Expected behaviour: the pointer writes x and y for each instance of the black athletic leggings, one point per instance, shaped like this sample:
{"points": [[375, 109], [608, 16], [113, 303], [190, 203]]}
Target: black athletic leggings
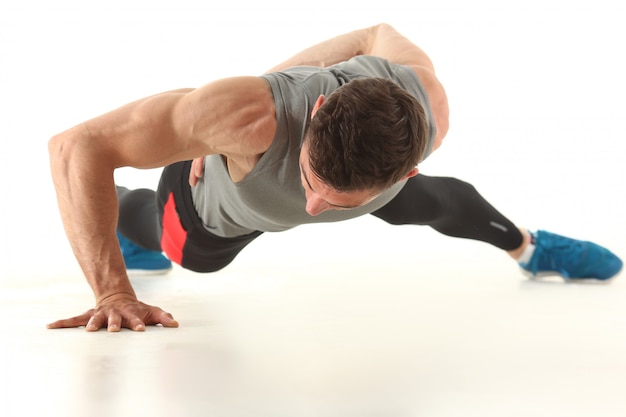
{"points": [[451, 207], [154, 219]]}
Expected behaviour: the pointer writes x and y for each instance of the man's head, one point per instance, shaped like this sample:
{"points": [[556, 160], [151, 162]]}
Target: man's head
{"points": [[367, 135]]}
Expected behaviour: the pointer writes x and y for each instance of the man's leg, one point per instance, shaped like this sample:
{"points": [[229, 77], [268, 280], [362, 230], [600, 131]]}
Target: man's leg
{"points": [[455, 208], [138, 231], [139, 217], [451, 207], [182, 235]]}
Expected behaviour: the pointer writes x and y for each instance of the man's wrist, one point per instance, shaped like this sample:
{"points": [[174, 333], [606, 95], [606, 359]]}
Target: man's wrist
{"points": [[116, 296]]}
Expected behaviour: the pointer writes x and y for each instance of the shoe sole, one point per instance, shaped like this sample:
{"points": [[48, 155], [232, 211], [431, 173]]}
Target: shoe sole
{"points": [[548, 274], [147, 272]]}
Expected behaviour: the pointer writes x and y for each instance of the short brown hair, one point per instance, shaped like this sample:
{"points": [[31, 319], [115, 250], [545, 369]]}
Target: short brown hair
{"points": [[368, 134]]}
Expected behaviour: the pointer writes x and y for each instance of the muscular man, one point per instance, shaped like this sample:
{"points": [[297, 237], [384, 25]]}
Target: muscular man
{"points": [[335, 132]]}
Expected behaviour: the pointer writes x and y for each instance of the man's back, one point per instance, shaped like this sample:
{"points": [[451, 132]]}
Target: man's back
{"points": [[270, 197]]}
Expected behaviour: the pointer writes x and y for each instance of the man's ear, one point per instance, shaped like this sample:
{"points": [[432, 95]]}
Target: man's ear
{"points": [[318, 103], [411, 173]]}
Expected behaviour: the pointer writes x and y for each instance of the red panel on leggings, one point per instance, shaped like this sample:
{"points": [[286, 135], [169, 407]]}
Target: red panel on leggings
{"points": [[174, 236]]}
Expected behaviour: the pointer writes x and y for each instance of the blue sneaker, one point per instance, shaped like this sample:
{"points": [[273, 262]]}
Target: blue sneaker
{"points": [[570, 258], [141, 261]]}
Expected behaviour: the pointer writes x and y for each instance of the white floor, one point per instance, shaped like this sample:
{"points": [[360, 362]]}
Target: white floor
{"points": [[357, 319], [411, 333]]}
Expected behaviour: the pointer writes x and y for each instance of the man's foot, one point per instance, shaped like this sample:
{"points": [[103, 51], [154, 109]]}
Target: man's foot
{"points": [[570, 258], [140, 261]]}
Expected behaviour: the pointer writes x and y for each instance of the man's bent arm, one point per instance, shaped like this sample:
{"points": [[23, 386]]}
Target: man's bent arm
{"points": [[151, 132], [88, 205], [82, 162], [381, 40]]}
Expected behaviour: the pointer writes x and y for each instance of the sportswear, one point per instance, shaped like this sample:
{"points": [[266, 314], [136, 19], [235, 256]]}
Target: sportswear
{"points": [[570, 258], [271, 198]]}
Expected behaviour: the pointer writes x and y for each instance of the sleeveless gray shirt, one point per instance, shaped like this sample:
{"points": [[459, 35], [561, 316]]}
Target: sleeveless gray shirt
{"points": [[271, 198]]}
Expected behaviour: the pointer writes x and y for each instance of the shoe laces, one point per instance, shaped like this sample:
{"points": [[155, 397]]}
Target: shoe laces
{"points": [[555, 252]]}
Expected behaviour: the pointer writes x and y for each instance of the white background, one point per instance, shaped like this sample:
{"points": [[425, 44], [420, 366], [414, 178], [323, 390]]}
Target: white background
{"points": [[536, 91]]}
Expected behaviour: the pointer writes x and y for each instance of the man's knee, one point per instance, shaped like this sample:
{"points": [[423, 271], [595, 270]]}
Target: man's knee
{"points": [[204, 267]]}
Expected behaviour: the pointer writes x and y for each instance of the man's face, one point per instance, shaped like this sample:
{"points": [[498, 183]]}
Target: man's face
{"points": [[320, 197]]}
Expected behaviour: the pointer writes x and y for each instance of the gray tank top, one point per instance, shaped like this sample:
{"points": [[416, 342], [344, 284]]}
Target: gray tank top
{"points": [[271, 198]]}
